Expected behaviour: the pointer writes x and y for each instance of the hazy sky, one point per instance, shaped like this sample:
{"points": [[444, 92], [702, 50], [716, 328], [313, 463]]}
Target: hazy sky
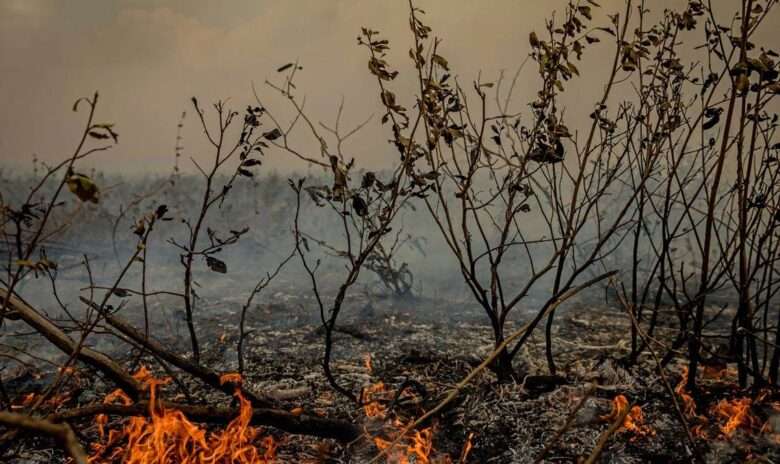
{"points": [[148, 57]]}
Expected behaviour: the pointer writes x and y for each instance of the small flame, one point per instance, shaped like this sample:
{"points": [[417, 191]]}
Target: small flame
{"points": [[26, 401], [416, 450], [367, 362], [689, 405], [371, 405], [119, 395], [70, 370], [168, 437], [634, 420], [144, 376], [737, 415], [232, 378], [467, 447], [58, 400]]}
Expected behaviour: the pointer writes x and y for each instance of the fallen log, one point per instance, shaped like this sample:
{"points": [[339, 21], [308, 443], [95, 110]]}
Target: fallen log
{"points": [[301, 424], [60, 432], [20, 309], [205, 374]]}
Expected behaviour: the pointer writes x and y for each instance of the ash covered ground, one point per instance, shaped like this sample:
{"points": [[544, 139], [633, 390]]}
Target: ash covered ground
{"points": [[420, 345]]}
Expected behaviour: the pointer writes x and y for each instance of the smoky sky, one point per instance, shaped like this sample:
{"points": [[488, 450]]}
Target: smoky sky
{"points": [[148, 57]]}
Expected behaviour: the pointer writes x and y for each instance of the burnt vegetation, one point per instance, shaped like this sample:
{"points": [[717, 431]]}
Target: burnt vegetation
{"points": [[620, 270]]}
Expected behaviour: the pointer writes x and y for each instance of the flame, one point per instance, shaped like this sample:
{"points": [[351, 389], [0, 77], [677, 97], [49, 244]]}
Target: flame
{"points": [[417, 450], [689, 405], [737, 415], [144, 376], [232, 377], [464, 453], [634, 420], [27, 400], [367, 362], [168, 437], [59, 399], [699, 431], [371, 405], [120, 395]]}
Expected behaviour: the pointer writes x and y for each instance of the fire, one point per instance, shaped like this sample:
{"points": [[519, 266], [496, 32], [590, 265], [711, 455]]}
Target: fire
{"points": [[464, 453], [417, 450], [732, 414], [120, 395], [233, 378], [634, 420], [27, 400], [168, 437], [736, 414], [689, 405], [413, 449], [144, 376], [367, 362], [371, 405]]}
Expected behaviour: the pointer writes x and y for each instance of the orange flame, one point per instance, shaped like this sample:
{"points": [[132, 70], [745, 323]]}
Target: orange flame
{"points": [[689, 405], [232, 377], [143, 375], [737, 415], [25, 401], [464, 453], [168, 437], [634, 420], [372, 394], [417, 450]]}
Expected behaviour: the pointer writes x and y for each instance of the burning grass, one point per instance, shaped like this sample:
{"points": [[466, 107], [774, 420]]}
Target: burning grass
{"points": [[727, 416], [168, 437], [633, 422], [415, 447]]}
